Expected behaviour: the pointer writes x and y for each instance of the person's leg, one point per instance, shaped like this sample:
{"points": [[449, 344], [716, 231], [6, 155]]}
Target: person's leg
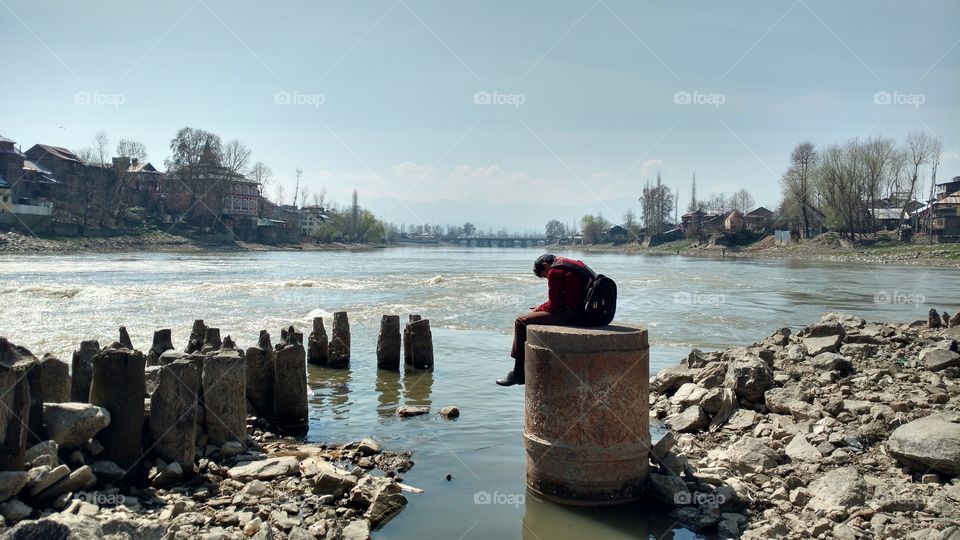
{"points": [[520, 335]]}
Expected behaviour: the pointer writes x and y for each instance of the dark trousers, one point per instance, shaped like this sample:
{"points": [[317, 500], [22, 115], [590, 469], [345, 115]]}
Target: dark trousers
{"points": [[565, 316]]}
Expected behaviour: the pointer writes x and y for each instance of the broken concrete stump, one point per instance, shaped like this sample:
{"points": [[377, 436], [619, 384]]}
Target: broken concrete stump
{"points": [[162, 342], [119, 385], [224, 381], [260, 376], [587, 459], [81, 370], [197, 336], [339, 355], [388, 343], [173, 413], [290, 384], [319, 346], [407, 358], [55, 379], [14, 404], [421, 344]]}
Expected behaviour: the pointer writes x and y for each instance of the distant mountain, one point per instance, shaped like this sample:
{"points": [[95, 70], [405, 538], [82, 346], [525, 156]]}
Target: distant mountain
{"points": [[515, 217]]}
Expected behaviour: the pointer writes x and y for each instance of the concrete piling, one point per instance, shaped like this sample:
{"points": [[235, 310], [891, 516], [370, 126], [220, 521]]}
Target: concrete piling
{"points": [[388, 343], [407, 354], [319, 347], [119, 385], [339, 355], [421, 344], [290, 383], [81, 370]]}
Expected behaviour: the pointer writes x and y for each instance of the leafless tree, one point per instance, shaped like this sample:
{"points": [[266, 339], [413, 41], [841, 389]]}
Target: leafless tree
{"points": [[101, 143], [127, 151], [919, 149], [132, 149], [261, 174], [279, 193], [799, 188], [742, 201], [236, 157]]}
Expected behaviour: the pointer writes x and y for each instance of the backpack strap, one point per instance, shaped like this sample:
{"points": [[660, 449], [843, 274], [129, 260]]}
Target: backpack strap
{"points": [[584, 270]]}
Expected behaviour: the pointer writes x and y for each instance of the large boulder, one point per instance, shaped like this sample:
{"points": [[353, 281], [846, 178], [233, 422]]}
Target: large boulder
{"points": [[73, 424], [749, 455], [11, 482], [690, 420], [669, 488], [800, 449], [939, 359], [712, 375], [929, 443], [823, 337], [749, 378], [266, 469], [59, 526], [830, 361], [669, 379], [839, 490]]}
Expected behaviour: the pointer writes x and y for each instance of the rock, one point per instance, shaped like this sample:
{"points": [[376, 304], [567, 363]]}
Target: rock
{"points": [[669, 488], [662, 446], [171, 356], [55, 379], [384, 507], [58, 526], [260, 376], [939, 359], [43, 453], [14, 511], [356, 530], [290, 384], [197, 336], [412, 410], [839, 490], [955, 320], [783, 400], [339, 352], [932, 442], [125, 339], [421, 344], [72, 424], [162, 342], [388, 343], [749, 455], [712, 375], [319, 347], [230, 449], [688, 394], [326, 478], [369, 447], [224, 382], [173, 413], [800, 449], [669, 379], [168, 476], [828, 361], [819, 345], [369, 488], [933, 319], [118, 385], [81, 370], [695, 360], [151, 378], [11, 482], [450, 412], [749, 378], [107, 471], [696, 519], [211, 341], [690, 420], [79, 479], [48, 478], [266, 469]]}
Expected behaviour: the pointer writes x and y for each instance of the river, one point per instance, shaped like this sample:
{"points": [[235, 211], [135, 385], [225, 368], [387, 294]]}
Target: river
{"points": [[49, 303]]}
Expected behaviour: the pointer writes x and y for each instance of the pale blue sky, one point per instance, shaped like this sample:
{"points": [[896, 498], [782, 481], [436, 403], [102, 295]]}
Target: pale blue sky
{"points": [[398, 79]]}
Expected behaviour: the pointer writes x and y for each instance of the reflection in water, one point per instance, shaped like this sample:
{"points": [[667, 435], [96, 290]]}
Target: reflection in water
{"points": [[388, 391], [332, 386], [544, 519], [417, 387]]}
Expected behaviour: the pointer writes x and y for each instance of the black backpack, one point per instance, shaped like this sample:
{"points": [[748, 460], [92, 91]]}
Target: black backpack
{"points": [[600, 303]]}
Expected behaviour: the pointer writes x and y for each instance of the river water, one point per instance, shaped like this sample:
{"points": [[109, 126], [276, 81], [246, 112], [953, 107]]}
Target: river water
{"points": [[49, 303]]}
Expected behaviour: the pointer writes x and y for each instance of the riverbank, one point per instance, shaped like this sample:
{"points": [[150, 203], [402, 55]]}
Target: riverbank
{"points": [[160, 242], [826, 248], [846, 429]]}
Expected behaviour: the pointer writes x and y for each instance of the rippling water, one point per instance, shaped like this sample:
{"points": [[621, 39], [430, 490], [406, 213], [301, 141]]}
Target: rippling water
{"points": [[49, 303]]}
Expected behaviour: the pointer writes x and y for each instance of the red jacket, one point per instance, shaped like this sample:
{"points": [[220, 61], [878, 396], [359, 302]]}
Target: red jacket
{"points": [[565, 288]]}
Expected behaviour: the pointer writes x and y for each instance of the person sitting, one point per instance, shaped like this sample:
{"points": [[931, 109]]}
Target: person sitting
{"points": [[566, 291]]}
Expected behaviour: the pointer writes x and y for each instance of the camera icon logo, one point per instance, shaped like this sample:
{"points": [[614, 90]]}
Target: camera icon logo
{"points": [[82, 98], [682, 98], [481, 497], [882, 98], [282, 97], [482, 98]]}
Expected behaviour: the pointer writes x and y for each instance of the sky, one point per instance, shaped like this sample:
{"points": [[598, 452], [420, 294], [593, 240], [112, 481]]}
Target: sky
{"points": [[500, 113]]}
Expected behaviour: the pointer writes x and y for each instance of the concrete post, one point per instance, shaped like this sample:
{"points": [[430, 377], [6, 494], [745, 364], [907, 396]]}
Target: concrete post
{"points": [[421, 344], [81, 371], [587, 425], [119, 385], [388, 343], [14, 404], [173, 413], [290, 384], [340, 344], [260, 376], [224, 382], [318, 344], [407, 358]]}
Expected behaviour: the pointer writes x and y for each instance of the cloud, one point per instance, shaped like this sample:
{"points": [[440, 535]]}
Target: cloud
{"points": [[650, 166]]}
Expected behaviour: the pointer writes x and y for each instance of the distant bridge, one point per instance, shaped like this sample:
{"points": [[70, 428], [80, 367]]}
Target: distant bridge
{"points": [[503, 242]]}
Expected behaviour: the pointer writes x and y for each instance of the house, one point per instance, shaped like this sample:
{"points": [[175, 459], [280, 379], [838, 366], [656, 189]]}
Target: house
{"points": [[758, 219], [241, 197], [312, 217], [945, 222], [888, 218], [6, 197], [733, 221], [617, 234], [62, 164], [11, 162]]}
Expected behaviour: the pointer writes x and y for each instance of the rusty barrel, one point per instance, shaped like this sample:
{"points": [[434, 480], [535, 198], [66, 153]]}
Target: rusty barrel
{"points": [[587, 425]]}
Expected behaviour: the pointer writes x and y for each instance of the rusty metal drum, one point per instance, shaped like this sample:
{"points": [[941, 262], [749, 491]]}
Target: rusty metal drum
{"points": [[587, 423]]}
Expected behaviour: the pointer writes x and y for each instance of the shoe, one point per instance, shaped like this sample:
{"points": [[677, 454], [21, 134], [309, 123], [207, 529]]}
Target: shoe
{"points": [[509, 380]]}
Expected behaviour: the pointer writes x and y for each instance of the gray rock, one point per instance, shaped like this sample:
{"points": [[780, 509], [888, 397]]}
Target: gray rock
{"points": [[450, 412], [690, 420], [829, 361], [819, 345], [72, 424], [670, 489], [712, 375], [266, 469], [749, 455], [48, 478], [840, 490], [59, 526], [929, 443], [749, 378], [55, 379], [79, 479], [669, 379], [800, 449], [356, 530], [939, 359], [11, 482], [14, 511], [412, 410], [107, 470]]}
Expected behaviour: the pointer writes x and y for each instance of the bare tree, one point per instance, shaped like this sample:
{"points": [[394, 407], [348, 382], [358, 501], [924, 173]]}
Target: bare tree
{"points": [[132, 149], [261, 174], [100, 144], [919, 149], [304, 196], [742, 201], [798, 184], [128, 150], [279, 193], [320, 199], [236, 157]]}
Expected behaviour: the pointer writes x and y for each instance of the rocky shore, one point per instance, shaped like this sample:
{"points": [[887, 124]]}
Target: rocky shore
{"points": [[847, 429], [170, 444]]}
